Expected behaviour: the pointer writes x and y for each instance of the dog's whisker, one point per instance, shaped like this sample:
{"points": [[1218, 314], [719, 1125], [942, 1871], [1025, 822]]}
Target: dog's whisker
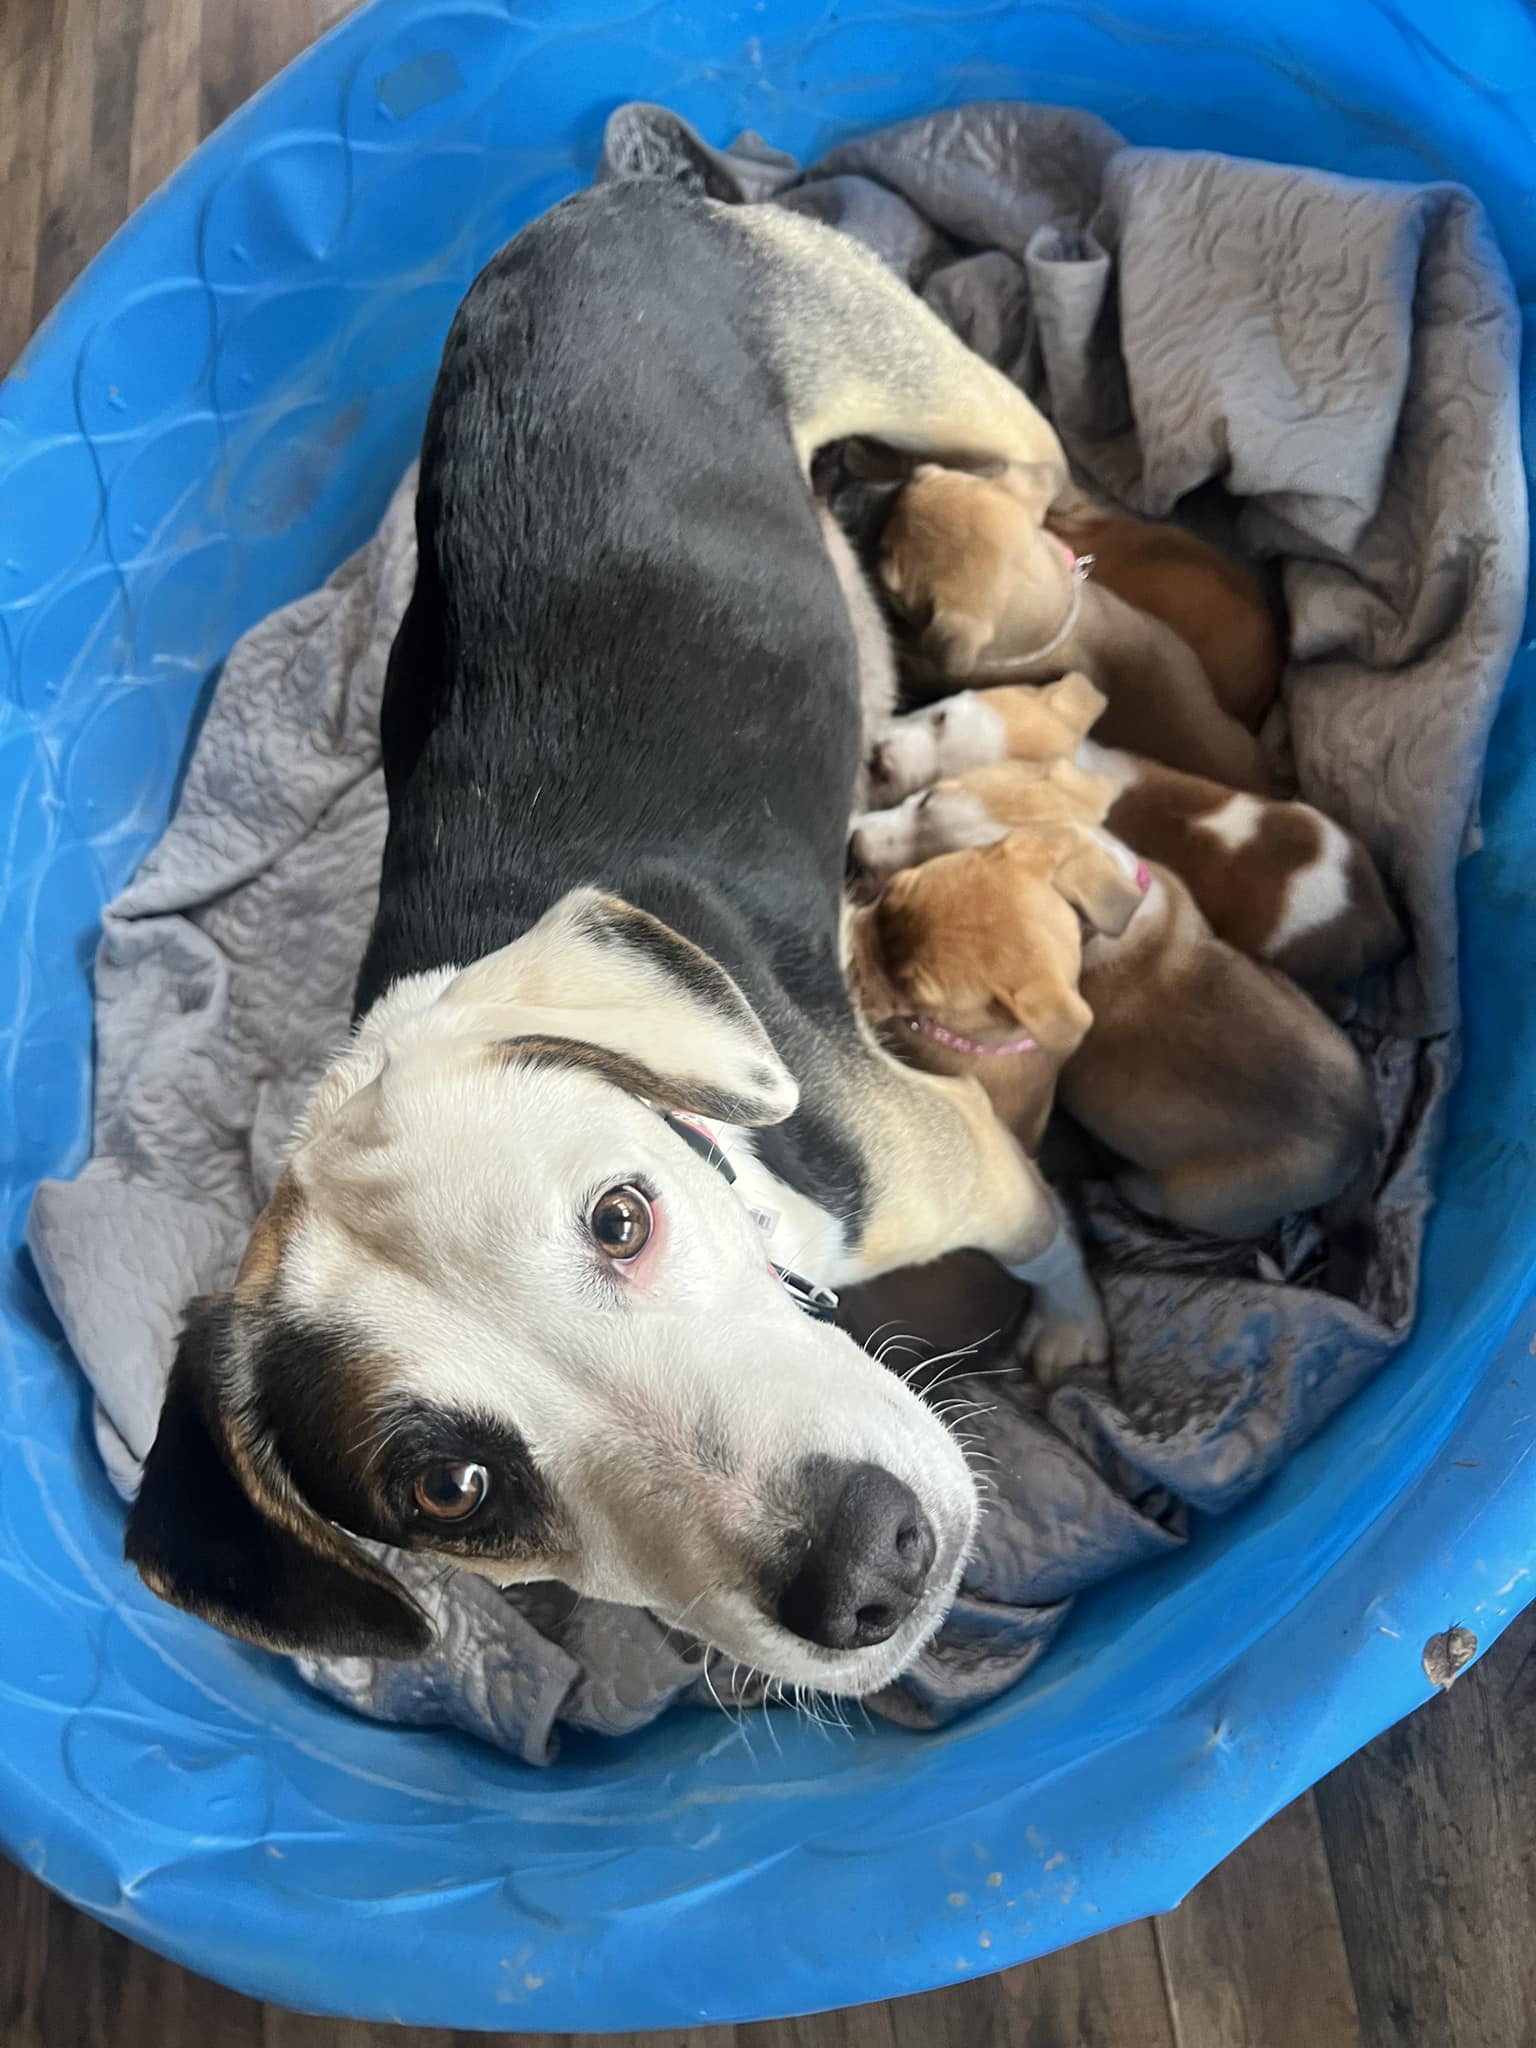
{"points": [[891, 1343]]}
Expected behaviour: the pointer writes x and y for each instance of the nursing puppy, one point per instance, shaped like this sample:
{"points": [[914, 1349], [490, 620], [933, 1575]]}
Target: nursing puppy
{"points": [[995, 598], [504, 1305], [1278, 880], [971, 962]]}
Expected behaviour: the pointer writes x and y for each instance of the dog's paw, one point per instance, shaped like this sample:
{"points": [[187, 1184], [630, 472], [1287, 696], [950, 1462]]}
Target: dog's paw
{"points": [[1054, 1344]]}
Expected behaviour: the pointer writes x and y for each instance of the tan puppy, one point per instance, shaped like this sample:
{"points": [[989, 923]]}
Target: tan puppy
{"points": [[974, 960], [1214, 602], [1280, 881], [974, 810], [1009, 723], [993, 596]]}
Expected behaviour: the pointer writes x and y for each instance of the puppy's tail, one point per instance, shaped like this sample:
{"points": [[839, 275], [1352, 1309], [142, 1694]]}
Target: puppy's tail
{"points": [[861, 355]]}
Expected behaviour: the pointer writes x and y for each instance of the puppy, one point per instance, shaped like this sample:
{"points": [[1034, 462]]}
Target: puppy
{"points": [[1233, 1099], [972, 810], [1213, 601], [971, 962], [1278, 880], [993, 596], [522, 1298], [1046, 723]]}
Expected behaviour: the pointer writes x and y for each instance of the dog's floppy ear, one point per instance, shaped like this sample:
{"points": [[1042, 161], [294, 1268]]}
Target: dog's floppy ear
{"points": [[1095, 884], [954, 641], [1076, 701], [596, 972], [215, 1534], [868, 975], [1050, 1009]]}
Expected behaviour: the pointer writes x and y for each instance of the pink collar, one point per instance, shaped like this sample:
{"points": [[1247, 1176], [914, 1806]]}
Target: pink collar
{"points": [[1082, 568], [955, 1041]]}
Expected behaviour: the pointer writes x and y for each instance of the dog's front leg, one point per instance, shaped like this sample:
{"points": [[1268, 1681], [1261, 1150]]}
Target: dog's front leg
{"points": [[1064, 1326]]}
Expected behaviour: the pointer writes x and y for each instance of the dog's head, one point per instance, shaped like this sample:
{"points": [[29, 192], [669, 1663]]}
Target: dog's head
{"points": [[499, 1311], [960, 554], [989, 940]]}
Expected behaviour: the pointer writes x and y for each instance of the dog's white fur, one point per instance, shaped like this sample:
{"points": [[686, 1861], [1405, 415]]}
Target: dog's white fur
{"points": [[445, 1192]]}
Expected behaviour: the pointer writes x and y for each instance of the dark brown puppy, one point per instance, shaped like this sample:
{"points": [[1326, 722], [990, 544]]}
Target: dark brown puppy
{"points": [[1215, 603]]}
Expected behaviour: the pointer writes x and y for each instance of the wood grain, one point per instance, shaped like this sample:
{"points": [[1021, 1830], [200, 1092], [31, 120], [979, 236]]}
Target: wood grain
{"points": [[1395, 1912], [1256, 1955], [1431, 1833], [1106, 1993]]}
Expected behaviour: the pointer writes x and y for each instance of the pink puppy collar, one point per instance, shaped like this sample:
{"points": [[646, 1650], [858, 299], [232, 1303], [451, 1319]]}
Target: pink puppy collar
{"points": [[956, 1041]]}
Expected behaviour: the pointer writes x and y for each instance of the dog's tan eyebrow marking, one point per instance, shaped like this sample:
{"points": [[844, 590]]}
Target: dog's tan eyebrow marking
{"points": [[575, 1057], [270, 1237]]}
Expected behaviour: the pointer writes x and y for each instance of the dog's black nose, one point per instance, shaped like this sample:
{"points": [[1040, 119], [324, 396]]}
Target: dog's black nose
{"points": [[867, 1561]]}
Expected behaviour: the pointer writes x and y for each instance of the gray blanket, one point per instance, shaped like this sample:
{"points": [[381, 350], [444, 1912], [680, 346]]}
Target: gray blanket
{"points": [[1330, 367]]}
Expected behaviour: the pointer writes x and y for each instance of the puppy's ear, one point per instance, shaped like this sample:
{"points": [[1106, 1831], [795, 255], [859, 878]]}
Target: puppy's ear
{"points": [[954, 641], [1049, 1008], [1095, 884], [1076, 701], [665, 1018], [213, 1532], [868, 974]]}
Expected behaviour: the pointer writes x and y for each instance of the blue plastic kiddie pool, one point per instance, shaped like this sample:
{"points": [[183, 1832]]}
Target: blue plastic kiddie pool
{"points": [[213, 418]]}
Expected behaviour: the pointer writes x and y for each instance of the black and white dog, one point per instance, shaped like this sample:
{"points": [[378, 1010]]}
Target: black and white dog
{"points": [[500, 1307]]}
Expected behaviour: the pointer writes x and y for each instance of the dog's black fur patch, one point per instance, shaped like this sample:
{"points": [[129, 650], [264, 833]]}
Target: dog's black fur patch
{"points": [[269, 1570], [272, 1564], [627, 662]]}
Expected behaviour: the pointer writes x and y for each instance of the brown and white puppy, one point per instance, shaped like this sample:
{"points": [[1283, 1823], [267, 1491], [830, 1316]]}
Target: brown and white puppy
{"points": [[1213, 601], [1233, 1099], [995, 598], [1281, 881], [970, 963]]}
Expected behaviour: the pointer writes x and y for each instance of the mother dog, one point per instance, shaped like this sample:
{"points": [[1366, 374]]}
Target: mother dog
{"points": [[503, 1306]]}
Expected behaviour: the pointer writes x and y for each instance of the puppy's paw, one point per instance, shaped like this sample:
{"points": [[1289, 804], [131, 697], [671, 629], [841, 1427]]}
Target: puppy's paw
{"points": [[1054, 1342]]}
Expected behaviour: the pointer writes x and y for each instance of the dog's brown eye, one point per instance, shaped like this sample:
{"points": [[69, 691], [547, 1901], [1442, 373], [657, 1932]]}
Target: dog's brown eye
{"points": [[451, 1493], [621, 1222]]}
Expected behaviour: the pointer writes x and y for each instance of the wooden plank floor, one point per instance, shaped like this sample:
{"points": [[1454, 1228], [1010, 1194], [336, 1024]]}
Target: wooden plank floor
{"points": [[1392, 1909]]}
